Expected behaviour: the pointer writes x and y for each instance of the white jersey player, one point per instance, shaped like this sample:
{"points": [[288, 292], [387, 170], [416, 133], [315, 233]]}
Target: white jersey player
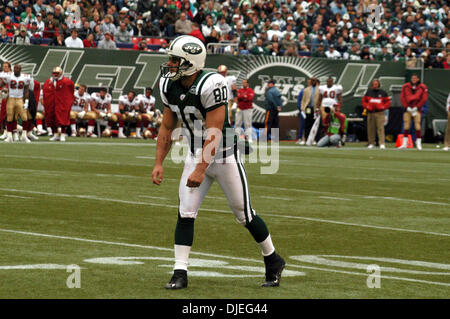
{"points": [[128, 103], [17, 103], [146, 101], [81, 109], [82, 99], [447, 131], [40, 117], [330, 95], [101, 101], [231, 86], [128, 108]]}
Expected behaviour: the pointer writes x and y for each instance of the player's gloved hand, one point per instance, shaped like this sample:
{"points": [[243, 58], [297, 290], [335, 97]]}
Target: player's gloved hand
{"points": [[234, 106], [81, 114], [102, 114], [4, 93], [25, 105]]}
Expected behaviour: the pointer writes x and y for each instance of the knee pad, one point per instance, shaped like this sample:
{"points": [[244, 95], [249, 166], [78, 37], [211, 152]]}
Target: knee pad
{"points": [[39, 116]]}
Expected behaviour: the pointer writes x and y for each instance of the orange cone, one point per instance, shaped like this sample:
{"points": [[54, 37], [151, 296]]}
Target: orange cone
{"points": [[399, 141]]}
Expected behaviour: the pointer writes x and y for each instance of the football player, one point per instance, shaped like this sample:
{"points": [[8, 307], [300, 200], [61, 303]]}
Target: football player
{"points": [[413, 96], [81, 110], [200, 100], [6, 69], [17, 103], [447, 130], [232, 88], [150, 115], [330, 95], [101, 104], [40, 115], [128, 108], [35, 89]]}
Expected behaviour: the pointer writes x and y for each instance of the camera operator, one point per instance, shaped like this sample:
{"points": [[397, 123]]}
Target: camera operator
{"points": [[334, 125]]}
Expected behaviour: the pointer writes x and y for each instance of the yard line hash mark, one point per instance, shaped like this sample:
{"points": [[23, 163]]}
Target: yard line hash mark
{"points": [[207, 255], [92, 197]]}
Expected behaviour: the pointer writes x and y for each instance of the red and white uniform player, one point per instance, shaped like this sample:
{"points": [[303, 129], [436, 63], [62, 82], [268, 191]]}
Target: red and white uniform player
{"points": [[81, 109], [128, 108], [147, 110], [101, 104]]}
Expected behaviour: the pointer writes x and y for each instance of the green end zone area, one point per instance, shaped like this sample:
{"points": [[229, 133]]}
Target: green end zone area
{"points": [[331, 213]]}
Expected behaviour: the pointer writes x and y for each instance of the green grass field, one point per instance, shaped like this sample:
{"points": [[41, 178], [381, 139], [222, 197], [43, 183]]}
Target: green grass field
{"points": [[331, 212]]}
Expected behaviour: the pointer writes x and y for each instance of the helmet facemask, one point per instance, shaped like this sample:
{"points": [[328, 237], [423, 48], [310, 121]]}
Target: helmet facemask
{"points": [[182, 69]]}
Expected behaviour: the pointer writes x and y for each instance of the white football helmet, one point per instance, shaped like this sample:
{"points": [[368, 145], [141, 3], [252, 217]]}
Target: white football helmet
{"points": [[191, 53]]}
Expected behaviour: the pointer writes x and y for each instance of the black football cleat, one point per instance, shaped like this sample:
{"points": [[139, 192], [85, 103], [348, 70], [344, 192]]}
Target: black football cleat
{"points": [[274, 267], [179, 280]]}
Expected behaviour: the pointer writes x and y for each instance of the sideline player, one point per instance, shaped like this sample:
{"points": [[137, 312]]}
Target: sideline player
{"points": [[146, 107], [447, 130], [101, 104], [128, 104], [200, 100], [330, 94], [6, 69], [80, 110], [17, 103], [413, 96], [232, 88]]}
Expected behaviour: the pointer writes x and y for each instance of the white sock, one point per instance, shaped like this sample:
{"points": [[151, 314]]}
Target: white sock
{"points": [[49, 130], [181, 256], [73, 127], [266, 246], [138, 131], [9, 134], [90, 129], [24, 134], [120, 130]]}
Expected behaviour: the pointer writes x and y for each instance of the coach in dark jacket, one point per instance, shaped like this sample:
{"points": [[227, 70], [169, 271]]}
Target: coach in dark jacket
{"points": [[273, 105], [375, 101]]}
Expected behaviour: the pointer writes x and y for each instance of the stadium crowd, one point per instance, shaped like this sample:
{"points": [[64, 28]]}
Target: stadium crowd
{"points": [[406, 30]]}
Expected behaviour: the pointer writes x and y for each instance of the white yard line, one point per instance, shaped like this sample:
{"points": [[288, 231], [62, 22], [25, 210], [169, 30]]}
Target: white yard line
{"points": [[92, 197], [94, 144], [153, 197], [145, 157], [15, 196], [276, 198], [334, 198], [355, 195], [290, 265], [74, 160]]}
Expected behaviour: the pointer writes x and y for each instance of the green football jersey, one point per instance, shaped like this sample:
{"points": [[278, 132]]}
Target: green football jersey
{"points": [[208, 92]]}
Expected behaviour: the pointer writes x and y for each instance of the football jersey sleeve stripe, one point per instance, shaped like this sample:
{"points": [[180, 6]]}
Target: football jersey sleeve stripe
{"points": [[211, 108], [202, 82]]}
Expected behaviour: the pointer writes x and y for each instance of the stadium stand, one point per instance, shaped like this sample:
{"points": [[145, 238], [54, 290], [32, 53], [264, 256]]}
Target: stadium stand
{"points": [[404, 28]]}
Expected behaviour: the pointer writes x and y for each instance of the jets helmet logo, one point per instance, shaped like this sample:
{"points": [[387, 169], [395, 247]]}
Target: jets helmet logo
{"points": [[192, 48]]}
